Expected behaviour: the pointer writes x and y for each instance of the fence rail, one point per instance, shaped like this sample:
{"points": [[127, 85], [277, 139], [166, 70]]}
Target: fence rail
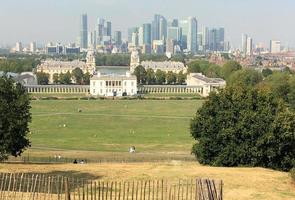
{"points": [[16, 186]]}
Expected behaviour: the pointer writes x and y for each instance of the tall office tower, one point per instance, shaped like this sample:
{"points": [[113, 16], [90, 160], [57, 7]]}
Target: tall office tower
{"points": [[130, 32], [163, 28], [215, 39], [249, 50], [244, 43], [174, 33], [192, 43], [156, 27], [18, 47], [147, 34], [140, 36], [100, 30], [174, 23], [118, 38], [135, 39], [33, 47], [183, 24], [275, 46], [108, 28], [83, 32], [170, 44], [92, 40], [200, 39]]}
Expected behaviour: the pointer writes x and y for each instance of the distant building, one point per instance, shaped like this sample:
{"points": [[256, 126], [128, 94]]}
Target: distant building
{"points": [[147, 34], [275, 46], [18, 47], [33, 47], [52, 67], [84, 32], [214, 39], [208, 84], [118, 38], [113, 85], [158, 47]]}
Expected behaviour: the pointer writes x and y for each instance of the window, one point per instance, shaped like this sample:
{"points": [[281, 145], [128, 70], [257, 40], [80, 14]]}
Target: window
{"points": [[93, 91], [93, 83], [125, 83], [132, 83], [100, 91], [120, 82], [132, 91], [107, 83], [100, 83]]}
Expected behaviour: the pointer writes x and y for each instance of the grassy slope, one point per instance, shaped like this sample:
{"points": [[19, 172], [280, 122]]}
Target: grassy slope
{"points": [[113, 125], [239, 183]]}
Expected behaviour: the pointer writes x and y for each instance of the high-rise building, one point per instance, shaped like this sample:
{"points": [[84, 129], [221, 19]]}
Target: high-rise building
{"points": [[174, 33], [244, 43], [33, 47], [130, 32], [140, 36], [147, 34], [118, 38], [156, 27], [84, 32], [18, 47], [135, 39], [192, 43], [275, 46], [173, 23], [163, 28], [183, 24], [108, 28], [249, 46], [215, 39], [170, 44]]}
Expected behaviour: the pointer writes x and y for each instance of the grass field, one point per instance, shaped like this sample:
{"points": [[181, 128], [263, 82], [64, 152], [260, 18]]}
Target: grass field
{"points": [[239, 183], [112, 126]]}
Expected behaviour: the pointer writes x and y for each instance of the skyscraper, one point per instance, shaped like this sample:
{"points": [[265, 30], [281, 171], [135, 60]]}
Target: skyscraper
{"points": [[156, 27], [183, 24], [215, 39], [118, 38], [147, 34], [130, 32], [192, 44], [275, 46], [33, 47], [249, 46], [83, 32], [163, 28], [174, 33], [244, 43]]}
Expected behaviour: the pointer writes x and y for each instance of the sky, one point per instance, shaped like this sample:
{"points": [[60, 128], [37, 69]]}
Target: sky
{"points": [[58, 20]]}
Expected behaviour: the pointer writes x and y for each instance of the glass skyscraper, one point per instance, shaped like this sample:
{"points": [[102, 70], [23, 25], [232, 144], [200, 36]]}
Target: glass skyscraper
{"points": [[147, 34], [83, 32]]}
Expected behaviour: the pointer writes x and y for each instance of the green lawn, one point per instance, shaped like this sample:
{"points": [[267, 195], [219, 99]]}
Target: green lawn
{"points": [[113, 126]]}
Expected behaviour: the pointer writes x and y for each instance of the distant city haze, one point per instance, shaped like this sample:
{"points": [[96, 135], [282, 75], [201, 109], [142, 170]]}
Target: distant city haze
{"points": [[58, 20]]}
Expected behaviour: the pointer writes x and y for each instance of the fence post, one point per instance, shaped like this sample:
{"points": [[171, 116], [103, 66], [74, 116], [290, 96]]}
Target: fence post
{"points": [[67, 189]]}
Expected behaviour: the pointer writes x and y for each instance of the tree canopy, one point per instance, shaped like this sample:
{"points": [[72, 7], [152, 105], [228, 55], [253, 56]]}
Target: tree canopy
{"points": [[14, 118], [229, 67], [43, 78], [246, 77], [244, 126]]}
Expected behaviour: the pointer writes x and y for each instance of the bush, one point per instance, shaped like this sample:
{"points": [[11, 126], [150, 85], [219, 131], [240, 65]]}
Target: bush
{"points": [[244, 127]]}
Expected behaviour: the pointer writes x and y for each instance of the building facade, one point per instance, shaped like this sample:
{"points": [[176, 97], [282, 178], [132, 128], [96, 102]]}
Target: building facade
{"points": [[113, 85], [84, 32]]}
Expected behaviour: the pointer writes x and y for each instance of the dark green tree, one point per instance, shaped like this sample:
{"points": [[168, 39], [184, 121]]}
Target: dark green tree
{"points": [[150, 76], [56, 78], [194, 67], [160, 77], [14, 118], [246, 77], [171, 78], [181, 77], [86, 78], [140, 74], [43, 78], [239, 126], [65, 79], [266, 72], [230, 67], [78, 75]]}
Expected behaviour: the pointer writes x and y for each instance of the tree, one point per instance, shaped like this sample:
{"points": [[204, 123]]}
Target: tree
{"points": [[160, 77], [65, 79], [140, 74], [78, 75], [150, 76], [266, 72], [14, 118], [56, 78], [229, 67], [171, 78], [246, 77], [42, 78], [239, 126], [181, 77], [194, 67], [86, 78]]}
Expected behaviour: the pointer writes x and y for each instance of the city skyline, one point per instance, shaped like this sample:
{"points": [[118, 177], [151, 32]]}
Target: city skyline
{"points": [[59, 23]]}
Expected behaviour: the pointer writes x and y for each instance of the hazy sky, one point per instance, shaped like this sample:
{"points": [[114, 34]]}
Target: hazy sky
{"points": [[58, 20]]}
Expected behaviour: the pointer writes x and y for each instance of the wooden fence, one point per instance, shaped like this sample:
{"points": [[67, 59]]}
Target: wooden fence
{"points": [[42, 187]]}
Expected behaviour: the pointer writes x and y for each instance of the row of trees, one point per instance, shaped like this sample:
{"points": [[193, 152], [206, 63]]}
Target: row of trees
{"points": [[159, 77], [77, 75], [18, 65]]}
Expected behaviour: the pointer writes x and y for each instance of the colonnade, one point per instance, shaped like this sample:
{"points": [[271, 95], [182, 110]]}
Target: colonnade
{"points": [[170, 89], [57, 89]]}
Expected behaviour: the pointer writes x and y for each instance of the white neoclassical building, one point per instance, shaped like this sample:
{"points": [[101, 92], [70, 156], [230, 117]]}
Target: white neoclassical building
{"points": [[207, 84], [113, 85]]}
